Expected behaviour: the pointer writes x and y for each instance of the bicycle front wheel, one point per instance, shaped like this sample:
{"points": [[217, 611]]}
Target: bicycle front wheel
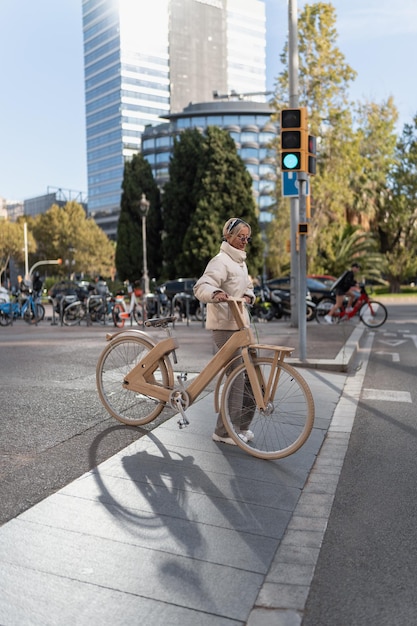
{"points": [[6, 317], [373, 314], [118, 358], [286, 423]]}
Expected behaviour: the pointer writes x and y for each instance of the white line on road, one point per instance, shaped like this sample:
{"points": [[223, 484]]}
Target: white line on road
{"points": [[395, 355], [386, 395]]}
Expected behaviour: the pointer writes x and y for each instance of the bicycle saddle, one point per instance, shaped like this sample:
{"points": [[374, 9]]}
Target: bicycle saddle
{"points": [[160, 321]]}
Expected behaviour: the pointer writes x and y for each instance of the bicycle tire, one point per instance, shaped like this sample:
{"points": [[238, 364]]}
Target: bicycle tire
{"points": [[115, 362], [118, 321], [138, 314], [5, 318], [373, 314], [33, 313], [288, 421], [73, 314], [322, 309]]}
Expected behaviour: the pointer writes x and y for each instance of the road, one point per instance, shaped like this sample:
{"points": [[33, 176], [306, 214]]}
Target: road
{"points": [[367, 569]]}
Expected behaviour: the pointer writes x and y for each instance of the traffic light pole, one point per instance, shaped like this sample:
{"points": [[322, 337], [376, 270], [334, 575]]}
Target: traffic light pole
{"points": [[302, 264], [293, 102]]}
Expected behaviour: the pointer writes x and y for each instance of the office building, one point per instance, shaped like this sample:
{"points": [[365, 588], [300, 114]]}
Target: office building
{"points": [[146, 61], [249, 124]]}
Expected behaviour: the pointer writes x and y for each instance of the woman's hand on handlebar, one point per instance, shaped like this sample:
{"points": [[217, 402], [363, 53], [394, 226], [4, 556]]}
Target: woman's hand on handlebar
{"points": [[220, 296]]}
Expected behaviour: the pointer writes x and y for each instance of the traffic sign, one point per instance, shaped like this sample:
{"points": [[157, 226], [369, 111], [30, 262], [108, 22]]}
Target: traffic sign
{"points": [[290, 187]]}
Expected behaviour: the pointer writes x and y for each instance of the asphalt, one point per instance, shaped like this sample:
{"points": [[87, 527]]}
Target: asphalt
{"points": [[176, 529]]}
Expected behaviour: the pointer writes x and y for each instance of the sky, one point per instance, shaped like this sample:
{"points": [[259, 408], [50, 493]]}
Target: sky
{"points": [[42, 122]]}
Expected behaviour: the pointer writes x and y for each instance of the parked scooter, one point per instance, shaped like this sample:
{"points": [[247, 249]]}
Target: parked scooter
{"points": [[285, 298], [276, 303], [266, 307]]}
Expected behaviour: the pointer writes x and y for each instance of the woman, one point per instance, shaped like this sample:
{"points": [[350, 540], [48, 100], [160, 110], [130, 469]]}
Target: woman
{"points": [[226, 275]]}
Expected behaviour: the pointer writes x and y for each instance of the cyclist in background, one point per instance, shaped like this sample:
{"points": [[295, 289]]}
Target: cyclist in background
{"points": [[345, 285]]}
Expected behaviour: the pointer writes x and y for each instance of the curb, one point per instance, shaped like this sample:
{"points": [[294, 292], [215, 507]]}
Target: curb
{"points": [[343, 359]]}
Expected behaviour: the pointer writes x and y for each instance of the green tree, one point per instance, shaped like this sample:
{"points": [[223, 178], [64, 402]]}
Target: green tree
{"points": [[376, 139], [138, 180], [324, 78], [226, 192], [181, 196], [353, 244], [395, 212], [12, 244], [66, 233]]}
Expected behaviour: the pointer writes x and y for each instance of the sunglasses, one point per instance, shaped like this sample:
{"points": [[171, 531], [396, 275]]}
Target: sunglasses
{"points": [[244, 239]]}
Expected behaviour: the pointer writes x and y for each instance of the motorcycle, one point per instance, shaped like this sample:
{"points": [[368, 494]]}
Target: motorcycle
{"points": [[266, 306], [285, 296], [276, 303]]}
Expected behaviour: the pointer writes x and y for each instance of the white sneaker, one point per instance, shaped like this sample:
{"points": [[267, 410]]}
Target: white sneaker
{"points": [[219, 439], [328, 319], [229, 440], [248, 434], [349, 309]]}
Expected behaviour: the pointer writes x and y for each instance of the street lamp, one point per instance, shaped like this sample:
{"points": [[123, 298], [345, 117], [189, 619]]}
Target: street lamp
{"points": [[144, 209]]}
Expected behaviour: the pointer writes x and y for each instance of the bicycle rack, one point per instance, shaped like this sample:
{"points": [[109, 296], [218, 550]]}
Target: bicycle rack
{"points": [[182, 298]]}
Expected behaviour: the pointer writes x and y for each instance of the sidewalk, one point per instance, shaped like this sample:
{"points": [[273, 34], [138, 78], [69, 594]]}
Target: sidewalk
{"points": [[176, 529]]}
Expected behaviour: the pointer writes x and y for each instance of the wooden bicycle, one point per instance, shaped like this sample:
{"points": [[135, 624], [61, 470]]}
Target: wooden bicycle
{"points": [[135, 381]]}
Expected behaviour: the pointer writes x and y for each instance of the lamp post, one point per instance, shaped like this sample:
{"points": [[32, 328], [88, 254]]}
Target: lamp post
{"points": [[144, 208]]}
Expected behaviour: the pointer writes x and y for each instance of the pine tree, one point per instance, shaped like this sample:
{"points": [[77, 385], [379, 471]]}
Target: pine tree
{"points": [[180, 197], [138, 180], [222, 189]]}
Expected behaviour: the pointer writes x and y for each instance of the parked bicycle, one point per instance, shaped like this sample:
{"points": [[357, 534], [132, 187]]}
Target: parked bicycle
{"points": [[135, 381], [25, 306], [91, 309], [134, 312], [372, 313]]}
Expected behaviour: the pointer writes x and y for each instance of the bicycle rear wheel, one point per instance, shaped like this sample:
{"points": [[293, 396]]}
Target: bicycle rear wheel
{"points": [[118, 309], [138, 313], [115, 362], [373, 314], [33, 313], [286, 423], [322, 309], [73, 314]]}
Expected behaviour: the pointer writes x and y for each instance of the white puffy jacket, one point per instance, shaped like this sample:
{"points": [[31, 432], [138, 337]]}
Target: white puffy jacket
{"points": [[227, 271]]}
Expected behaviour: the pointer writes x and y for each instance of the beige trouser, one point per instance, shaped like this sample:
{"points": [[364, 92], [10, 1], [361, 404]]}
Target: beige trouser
{"points": [[241, 398]]}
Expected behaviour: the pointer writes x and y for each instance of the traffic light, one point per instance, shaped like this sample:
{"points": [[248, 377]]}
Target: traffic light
{"points": [[294, 140], [312, 155]]}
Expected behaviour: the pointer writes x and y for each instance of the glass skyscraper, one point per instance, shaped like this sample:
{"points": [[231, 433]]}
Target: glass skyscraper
{"points": [[146, 60]]}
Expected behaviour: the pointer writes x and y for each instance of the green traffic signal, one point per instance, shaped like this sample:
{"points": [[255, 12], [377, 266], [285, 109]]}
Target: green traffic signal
{"points": [[291, 161]]}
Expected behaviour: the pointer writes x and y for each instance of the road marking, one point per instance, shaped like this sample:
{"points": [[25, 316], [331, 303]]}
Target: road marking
{"points": [[395, 355], [414, 338], [386, 395], [393, 343]]}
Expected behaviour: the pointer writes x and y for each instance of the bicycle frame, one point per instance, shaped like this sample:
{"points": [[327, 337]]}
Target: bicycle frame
{"points": [[16, 309], [138, 379], [363, 299]]}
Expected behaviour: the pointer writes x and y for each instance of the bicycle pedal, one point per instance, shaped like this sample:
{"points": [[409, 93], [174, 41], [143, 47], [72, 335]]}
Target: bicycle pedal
{"points": [[182, 423]]}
